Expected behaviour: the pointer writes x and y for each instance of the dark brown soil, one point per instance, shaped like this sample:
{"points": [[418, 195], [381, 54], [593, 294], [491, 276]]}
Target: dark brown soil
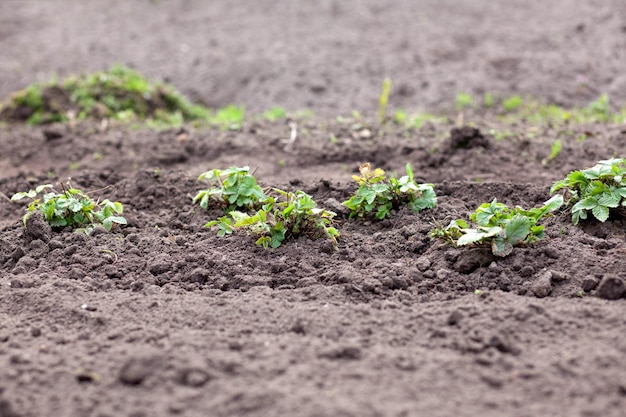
{"points": [[162, 317]]}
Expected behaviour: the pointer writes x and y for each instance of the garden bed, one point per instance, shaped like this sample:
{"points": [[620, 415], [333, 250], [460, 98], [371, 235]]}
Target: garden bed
{"points": [[164, 307], [163, 317]]}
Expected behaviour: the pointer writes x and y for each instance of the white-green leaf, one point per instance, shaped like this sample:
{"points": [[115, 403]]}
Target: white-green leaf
{"points": [[601, 213], [477, 235]]}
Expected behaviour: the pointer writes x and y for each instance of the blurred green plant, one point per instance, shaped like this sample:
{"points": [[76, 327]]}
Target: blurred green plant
{"points": [[512, 103], [463, 101], [498, 226], [383, 101], [235, 189], [598, 190], [288, 215], [72, 208], [380, 194]]}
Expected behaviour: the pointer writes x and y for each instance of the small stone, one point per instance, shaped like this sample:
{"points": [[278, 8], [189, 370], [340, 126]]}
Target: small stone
{"points": [[136, 370], [454, 318], [611, 287], [193, 377], [365, 133], [543, 285], [589, 283], [35, 332]]}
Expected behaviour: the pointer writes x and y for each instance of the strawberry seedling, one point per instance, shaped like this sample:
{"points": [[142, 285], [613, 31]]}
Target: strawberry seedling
{"points": [[380, 194], [277, 220], [598, 190], [236, 189], [72, 208], [498, 226]]}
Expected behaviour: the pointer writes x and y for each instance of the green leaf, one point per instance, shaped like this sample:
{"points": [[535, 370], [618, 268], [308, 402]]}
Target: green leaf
{"points": [[601, 213], [621, 192], [57, 222], [75, 205], [609, 200], [117, 219], [382, 212], [517, 229], [553, 204], [586, 204]]}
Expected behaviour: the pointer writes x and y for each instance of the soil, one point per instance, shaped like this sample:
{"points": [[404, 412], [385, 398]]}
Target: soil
{"points": [[162, 317]]}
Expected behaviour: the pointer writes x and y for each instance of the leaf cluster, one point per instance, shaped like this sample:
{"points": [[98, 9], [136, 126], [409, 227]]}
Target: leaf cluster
{"points": [[380, 194], [290, 214], [598, 189], [72, 208], [499, 226], [235, 189]]}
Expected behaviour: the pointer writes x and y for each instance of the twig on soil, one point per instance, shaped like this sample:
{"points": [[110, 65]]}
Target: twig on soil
{"points": [[3, 195], [294, 134]]}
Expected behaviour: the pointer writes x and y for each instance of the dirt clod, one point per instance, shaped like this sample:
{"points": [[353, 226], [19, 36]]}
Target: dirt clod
{"points": [[589, 283], [611, 287], [543, 284], [37, 228], [136, 370]]}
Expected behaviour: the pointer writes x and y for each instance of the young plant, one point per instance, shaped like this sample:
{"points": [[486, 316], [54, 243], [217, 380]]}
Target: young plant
{"points": [[72, 208], [383, 101], [235, 189], [499, 226], [598, 189], [380, 194], [555, 149], [512, 103], [463, 101], [276, 221]]}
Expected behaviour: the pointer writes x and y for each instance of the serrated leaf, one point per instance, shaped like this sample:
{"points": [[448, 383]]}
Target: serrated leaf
{"points": [[601, 213], [586, 204], [517, 229], [609, 200], [621, 192], [75, 205]]}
